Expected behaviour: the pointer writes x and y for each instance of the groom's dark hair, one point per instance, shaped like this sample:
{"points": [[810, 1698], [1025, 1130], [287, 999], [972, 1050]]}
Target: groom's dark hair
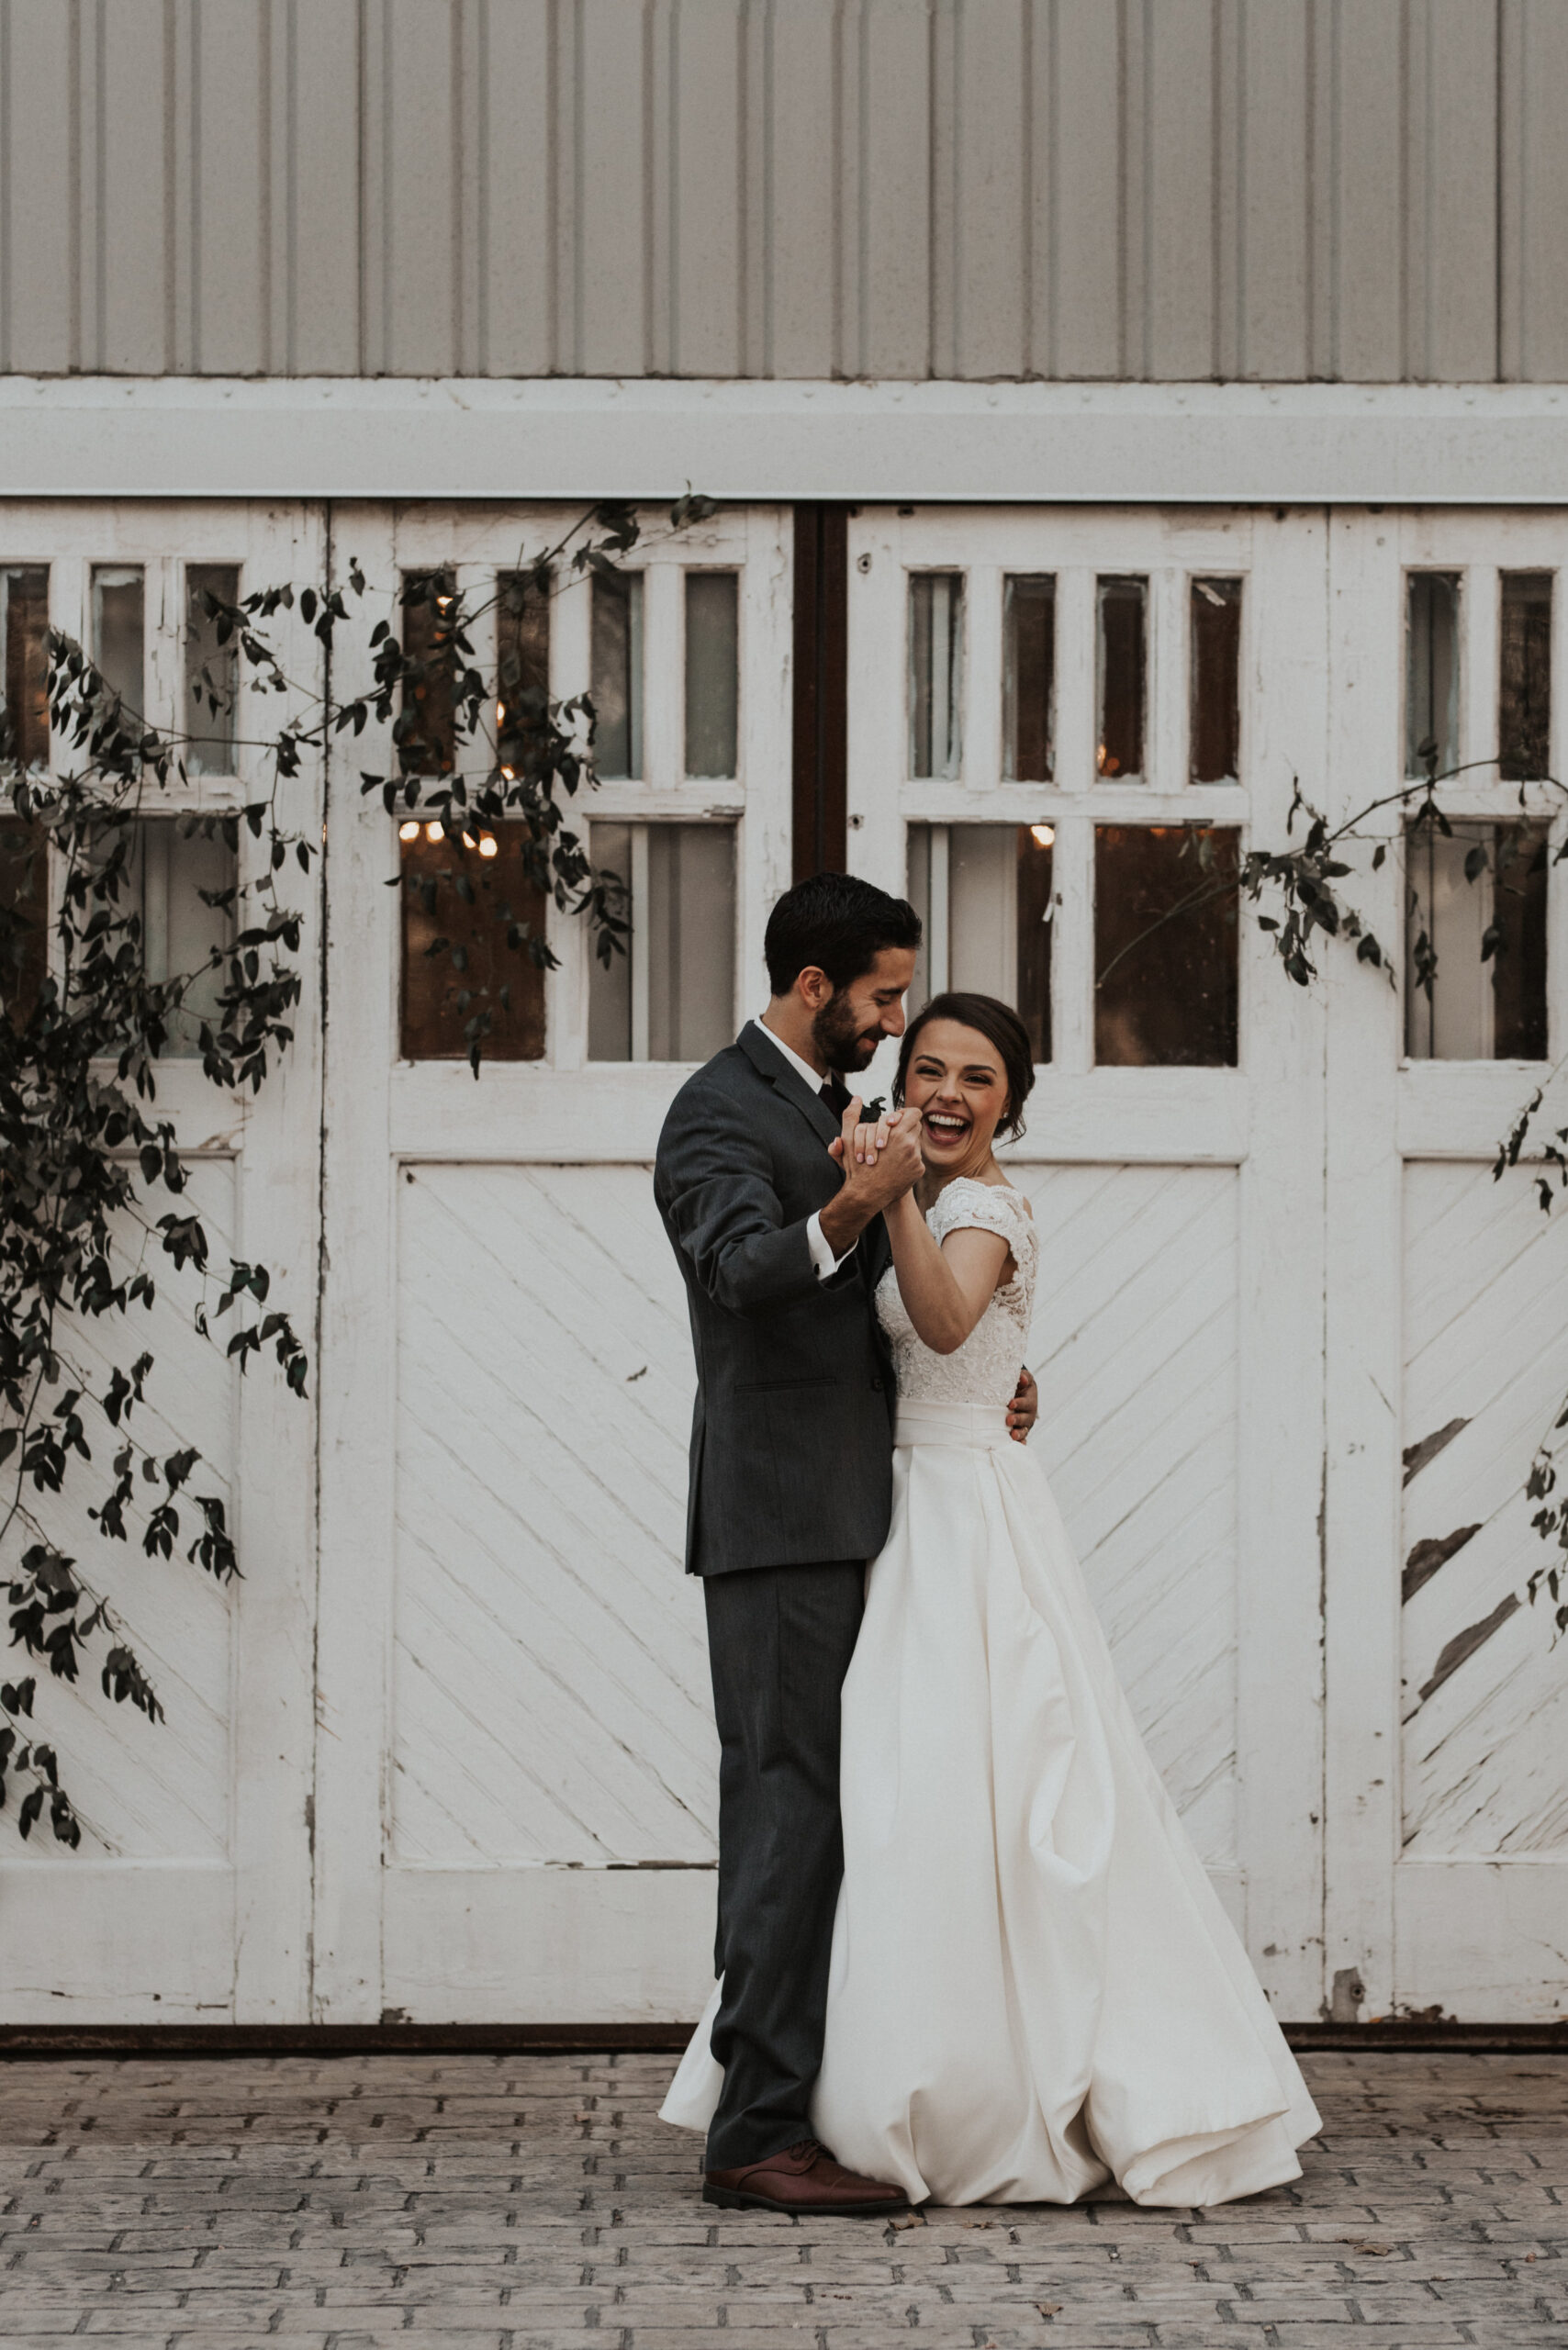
{"points": [[838, 923]]}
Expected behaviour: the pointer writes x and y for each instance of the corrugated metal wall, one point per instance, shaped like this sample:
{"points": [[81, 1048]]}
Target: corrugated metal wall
{"points": [[1170, 189]]}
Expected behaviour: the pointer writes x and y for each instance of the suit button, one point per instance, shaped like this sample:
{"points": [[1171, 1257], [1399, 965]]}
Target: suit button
{"points": [[877, 1385]]}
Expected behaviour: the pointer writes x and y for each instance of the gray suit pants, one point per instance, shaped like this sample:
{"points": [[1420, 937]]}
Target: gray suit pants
{"points": [[779, 1641]]}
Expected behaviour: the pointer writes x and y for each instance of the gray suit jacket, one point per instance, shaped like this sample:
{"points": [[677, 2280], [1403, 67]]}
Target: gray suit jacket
{"points": [[792, 1439]]}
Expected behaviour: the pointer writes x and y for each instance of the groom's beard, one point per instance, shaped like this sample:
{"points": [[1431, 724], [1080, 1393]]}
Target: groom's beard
{"points": [[840, 1039]]}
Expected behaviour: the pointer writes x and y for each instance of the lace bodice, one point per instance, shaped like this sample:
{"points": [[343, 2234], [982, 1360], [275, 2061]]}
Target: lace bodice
{"points": [[985, 1369]]}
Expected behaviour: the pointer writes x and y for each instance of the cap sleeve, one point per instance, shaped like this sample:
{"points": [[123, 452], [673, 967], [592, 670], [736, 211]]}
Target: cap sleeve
{"points": [[966, 1205]]}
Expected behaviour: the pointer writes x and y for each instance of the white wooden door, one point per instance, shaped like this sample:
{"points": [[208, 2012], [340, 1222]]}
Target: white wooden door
{"points": [[189, 1897], [516, 1793], [1448, 1853], [1178, 1334]]}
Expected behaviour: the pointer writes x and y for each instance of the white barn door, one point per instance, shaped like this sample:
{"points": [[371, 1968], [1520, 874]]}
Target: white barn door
{"points": [[516, 1796], [189, 1897], [1049, 710], [1448, 1328]]}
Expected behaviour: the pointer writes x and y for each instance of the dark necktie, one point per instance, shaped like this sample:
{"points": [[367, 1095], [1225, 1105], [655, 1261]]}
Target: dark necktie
{"points": [[835, 1093]]}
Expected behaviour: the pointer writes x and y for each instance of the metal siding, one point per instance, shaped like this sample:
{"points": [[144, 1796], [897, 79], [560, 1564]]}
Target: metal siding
{"points": [[1534, 131], [1364, 189], [1084, 301]]}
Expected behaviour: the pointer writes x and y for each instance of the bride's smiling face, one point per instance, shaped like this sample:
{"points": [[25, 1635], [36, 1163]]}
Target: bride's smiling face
{"points": [[957, 1088]]}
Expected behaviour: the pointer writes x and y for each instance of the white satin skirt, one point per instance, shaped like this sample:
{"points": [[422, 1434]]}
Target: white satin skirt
{"points": [[1035, 1994]]}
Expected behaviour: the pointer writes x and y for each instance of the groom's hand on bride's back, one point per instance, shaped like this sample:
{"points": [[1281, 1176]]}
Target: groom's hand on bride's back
{"points": [[876, 1173]]}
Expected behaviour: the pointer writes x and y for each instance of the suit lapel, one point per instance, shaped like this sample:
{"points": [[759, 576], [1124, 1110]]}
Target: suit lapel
{"points": [[789, 1087]]}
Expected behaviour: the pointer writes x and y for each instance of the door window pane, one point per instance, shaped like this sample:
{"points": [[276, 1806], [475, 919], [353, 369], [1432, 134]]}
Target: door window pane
{"points": [[425, 730], [1216, 681], [119, 631], [1123, 667], [713, 672], [1476, 900], [212, 669], [935, 668], [671, 996], [24, 647], [1524, 696], [617, 665], [176, 861], [462, 962], [522, 667], [165, 863], [984, 894], [1166, 914], [1028, 677], [23, 901], [1431, 673]]}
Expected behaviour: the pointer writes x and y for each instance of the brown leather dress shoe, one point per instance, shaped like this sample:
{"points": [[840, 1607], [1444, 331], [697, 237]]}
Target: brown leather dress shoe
{"points": [[803, 2180]]}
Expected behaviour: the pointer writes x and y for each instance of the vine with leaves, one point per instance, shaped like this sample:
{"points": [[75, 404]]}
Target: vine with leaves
{"points": [[95, 1201]]}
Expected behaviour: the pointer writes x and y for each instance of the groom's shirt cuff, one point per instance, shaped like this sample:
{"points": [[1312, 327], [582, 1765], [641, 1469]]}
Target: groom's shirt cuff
{"points": [[823, 1259]]}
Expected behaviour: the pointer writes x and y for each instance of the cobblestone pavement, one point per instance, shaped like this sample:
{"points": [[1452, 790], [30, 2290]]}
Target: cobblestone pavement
{"points": [[519, 2204]]}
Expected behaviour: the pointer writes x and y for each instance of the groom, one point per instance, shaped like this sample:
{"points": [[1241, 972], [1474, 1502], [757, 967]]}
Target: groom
{"points": [[781, 1246]]}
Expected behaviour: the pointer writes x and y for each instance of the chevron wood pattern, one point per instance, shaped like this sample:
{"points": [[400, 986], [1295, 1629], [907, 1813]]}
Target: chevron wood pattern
{"points": [[551, 1694], [1485, 1694], [147, 1791], [550, 1684], [1135, 1348]]}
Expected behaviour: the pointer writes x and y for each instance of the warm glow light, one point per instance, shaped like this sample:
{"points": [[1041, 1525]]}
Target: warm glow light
{"points": [[1043, 834], [409, 832], [508, 775], [433, 832], [488, 845], [469, 841]]}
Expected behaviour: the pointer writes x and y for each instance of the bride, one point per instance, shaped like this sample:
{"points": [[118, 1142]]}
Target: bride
{"points": [[1033, 1990]]}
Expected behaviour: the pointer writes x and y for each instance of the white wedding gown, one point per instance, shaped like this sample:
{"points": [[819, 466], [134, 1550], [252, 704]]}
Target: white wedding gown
{"points": [[1034, 1991]]}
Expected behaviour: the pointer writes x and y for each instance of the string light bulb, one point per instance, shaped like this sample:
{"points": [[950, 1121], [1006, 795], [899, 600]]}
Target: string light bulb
{"points": [[489, 845], [1042, 834], [409, 832], [433, 832]]}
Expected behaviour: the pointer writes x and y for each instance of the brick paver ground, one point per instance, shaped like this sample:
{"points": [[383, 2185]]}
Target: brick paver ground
{"points": [[520, 2203]]}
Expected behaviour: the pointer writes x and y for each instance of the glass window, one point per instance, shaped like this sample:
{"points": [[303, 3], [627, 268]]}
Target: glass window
{"points": [[935, 671], [671, 996], [984, 894], [1216, 681], [713, 672], [522, 666], [119, 631], [425, 730], [1524, 682], [212, 668], [617, 667], [1166, 914], [1028, 675], [176, 861], [23, 912], [466, 957], [167, 863], [1475, 942], [1123, 670], [24, 647], [1431, 673]]}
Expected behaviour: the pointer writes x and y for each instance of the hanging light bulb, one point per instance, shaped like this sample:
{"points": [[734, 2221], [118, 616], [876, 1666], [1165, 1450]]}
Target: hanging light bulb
{"points": [[409, 832], [489, 845], [433, 832], [1042, 834]]}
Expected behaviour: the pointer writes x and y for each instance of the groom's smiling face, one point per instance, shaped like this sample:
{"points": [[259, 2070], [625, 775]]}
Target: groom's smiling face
{"points": [[853, 1021]]}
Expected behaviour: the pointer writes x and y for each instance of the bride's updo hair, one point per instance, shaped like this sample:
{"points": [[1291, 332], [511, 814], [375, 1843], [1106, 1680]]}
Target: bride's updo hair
{"points": [[1000, 1026]]}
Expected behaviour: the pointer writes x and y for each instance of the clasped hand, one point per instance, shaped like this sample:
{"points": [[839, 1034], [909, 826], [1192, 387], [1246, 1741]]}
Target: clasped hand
{"points": [[880, 1157]]}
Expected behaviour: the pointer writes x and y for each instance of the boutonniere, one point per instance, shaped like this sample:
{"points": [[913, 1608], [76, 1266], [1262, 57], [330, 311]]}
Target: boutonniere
{"points": [[871, 1111]]}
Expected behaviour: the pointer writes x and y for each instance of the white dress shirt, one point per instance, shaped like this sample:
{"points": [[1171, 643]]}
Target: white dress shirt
{"points": [[823, 1258]]}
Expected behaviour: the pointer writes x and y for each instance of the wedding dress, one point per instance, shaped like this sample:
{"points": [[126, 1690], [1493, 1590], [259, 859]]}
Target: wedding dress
{"points": [[1034, 1993]]}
